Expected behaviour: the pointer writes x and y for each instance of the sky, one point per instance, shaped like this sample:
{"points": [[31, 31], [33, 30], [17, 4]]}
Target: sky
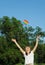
{"points": [[31, 10]]}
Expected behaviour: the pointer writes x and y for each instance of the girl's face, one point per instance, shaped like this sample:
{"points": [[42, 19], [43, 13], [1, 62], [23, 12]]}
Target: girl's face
{"points": [[27, 49]]}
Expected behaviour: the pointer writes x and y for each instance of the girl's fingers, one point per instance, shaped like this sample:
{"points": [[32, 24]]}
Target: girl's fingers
{"points": [[38, 36], [13, 40]]}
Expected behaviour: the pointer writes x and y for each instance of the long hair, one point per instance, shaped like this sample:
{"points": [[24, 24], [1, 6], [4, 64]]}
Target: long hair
{"points": [[25, 50]]}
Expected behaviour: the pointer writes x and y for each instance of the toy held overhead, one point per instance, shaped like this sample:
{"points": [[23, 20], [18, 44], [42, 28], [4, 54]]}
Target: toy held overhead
{"points": [[25, 21]]}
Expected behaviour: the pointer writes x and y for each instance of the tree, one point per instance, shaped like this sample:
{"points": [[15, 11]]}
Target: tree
{"points": [[13, 28]]}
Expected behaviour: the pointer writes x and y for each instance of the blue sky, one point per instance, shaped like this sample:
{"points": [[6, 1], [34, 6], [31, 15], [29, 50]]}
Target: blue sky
{"points": [[32, 10]]}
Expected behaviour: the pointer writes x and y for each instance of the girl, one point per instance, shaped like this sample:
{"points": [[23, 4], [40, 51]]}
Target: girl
{"points": [[28, 53]]}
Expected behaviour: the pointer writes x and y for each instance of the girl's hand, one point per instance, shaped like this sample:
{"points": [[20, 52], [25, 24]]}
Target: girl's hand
{"points": [[38, 36], [14, 40]]}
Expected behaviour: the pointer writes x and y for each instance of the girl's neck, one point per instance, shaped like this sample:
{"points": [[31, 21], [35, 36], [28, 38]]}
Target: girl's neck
{"points": [[28, 53]]}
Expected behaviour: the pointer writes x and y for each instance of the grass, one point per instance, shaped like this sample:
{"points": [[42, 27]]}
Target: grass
{"points": [[40, 64], [34, 64]]}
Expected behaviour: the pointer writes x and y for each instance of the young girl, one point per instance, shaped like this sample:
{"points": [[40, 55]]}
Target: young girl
{"points": [[28, 53]]}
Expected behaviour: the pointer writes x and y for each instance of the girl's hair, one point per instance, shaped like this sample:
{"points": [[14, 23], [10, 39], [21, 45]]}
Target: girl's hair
{"points": [[25, 50], [26, 53], [28, 46]]}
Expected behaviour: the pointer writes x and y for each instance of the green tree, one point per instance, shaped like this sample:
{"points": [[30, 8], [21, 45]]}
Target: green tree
{"points": [[13, 28]]}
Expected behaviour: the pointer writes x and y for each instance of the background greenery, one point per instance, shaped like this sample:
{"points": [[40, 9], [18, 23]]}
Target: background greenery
{"points": [[13, 28]]}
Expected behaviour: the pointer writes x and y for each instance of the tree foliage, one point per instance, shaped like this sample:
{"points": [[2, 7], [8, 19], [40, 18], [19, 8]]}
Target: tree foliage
{"points": [[13, 28]]}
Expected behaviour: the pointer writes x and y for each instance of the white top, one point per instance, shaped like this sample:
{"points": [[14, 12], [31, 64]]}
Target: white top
{"points": [[29, 59]]}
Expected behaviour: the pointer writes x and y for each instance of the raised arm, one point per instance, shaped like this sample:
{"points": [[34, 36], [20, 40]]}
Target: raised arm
{"points": [[14, 40], [36, 45]]}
